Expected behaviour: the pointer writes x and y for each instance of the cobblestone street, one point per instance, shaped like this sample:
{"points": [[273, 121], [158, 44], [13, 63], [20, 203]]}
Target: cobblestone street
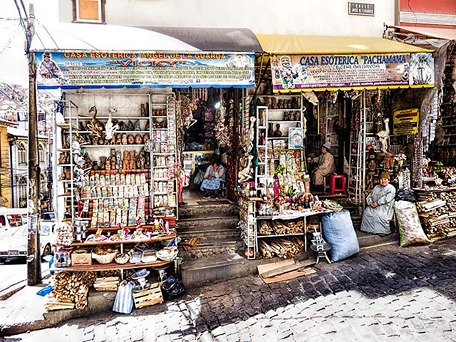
{"points": [[386, 293]]}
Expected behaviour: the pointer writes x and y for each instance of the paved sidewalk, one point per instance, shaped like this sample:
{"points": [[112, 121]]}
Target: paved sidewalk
{"points": [[386, 293]]}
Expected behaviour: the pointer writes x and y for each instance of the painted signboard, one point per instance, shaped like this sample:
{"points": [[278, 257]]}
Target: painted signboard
{"points": [[95, 69], [405, 121], [354, 71]]}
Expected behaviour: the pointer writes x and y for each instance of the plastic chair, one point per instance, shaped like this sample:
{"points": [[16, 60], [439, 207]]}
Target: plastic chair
{"points": [[337, 184]]}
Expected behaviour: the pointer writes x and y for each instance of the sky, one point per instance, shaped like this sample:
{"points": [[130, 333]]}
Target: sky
{"points": [[13, 61]]}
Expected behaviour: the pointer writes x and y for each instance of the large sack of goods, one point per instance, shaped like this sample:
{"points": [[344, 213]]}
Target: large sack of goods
{"points": [[338, 231], [410, 230]]}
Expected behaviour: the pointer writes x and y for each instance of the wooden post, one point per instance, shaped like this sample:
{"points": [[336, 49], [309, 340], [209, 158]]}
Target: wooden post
{"points": [[33, 258]]}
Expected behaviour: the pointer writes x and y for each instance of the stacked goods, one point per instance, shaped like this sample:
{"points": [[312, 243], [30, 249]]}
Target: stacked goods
{"points": [[437, 212], [106, 283], [265, 229], [280, 228], [71, 287], [282, 248]]}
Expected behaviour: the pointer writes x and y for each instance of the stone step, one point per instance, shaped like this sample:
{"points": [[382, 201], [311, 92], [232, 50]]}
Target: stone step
{"points": [[202, 224], [368, 240], [221, 233], [222, 267], [207, 248], [216, 268], [208, 210]]}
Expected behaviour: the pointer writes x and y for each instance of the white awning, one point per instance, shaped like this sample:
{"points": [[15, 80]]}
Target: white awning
{"points": [[90, 37]]}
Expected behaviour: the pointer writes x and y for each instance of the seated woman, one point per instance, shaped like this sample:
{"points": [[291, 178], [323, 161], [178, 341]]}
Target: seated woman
{"points": [[380, 207], [326, 166], [215, 173]]}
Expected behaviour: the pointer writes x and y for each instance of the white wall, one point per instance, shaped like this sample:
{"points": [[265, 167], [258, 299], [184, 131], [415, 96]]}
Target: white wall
{"points": [[320, 17]]}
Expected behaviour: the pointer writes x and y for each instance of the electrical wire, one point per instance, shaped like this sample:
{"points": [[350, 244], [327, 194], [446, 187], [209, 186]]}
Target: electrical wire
{"points": [[411, 10]]}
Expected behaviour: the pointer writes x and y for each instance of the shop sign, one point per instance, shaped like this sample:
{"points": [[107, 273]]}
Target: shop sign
{"points": [[405, 121], [353, 71], [359, 8], [96, 69]]}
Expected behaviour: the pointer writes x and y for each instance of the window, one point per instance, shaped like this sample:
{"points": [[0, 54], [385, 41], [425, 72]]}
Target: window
{"points": [[89, 11], [23, 192], [21, 153], [40, 153]]}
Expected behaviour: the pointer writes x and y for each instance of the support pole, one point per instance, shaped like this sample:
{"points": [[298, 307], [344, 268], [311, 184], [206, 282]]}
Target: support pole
{"points": [[33, 258]]}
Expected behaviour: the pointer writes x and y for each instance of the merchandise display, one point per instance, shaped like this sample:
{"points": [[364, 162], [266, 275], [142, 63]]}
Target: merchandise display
{"points": [[117, 188]]}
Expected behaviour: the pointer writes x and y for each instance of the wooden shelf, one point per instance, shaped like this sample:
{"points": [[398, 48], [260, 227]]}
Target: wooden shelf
{"points": [[113, 266], [104, 243], [279, 235]]}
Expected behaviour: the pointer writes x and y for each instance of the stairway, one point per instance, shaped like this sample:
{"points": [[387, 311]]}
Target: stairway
{"points": [[218, 254]]}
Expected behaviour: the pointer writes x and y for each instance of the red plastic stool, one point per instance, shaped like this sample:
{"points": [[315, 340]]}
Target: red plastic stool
{"points": [[337, 184]]}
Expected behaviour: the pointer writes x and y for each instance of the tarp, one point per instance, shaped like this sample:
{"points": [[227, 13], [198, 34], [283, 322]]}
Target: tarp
{"points": [[213, 39], [319, 63], [302, 44], [90, 37]]}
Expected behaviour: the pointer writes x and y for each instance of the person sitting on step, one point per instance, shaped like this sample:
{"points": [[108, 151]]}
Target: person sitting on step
{"points": [[215, 174], [325, 166], [380, 207]]}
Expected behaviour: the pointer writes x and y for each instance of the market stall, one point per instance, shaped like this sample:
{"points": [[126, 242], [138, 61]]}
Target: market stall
{"points": [[361, 96], [117, 155]]}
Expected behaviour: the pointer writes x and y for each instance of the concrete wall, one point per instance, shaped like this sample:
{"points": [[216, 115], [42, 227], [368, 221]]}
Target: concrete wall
{"points": [[322, 17]]}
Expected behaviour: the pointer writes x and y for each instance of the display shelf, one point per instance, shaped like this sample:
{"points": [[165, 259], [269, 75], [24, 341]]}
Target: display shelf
{"points": [[278, 235], [100, 117], [125, 242], [113, 266]]}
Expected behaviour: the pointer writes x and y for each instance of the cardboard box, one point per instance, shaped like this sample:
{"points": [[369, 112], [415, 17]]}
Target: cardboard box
{"points": [[81, 258]]}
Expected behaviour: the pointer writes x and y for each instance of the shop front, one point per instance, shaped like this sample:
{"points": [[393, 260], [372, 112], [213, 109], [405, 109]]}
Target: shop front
{"points": [[122, 131], [364, 99]]}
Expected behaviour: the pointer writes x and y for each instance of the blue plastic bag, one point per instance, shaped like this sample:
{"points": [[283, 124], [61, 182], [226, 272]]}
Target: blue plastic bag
{"points": [[338, 231], [45, 290]]}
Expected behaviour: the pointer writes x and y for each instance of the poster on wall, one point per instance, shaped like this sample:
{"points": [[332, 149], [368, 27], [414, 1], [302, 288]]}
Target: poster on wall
{"points": [[96, 69], [406, 121], [295, 137], [354, 71]]}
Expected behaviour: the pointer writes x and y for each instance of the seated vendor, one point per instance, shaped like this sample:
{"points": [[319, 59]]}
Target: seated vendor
{"points": [[380, 207], [325, 166], [214, 175]]}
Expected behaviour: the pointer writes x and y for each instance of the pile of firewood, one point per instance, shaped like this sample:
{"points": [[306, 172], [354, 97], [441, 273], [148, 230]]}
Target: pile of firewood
{"points": [[437, 212], [71, 288], [280, 228], [281, 247]]}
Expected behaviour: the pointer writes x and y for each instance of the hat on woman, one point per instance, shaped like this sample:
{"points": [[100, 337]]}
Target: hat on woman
{"points": [[384, 174], [327, 145]]}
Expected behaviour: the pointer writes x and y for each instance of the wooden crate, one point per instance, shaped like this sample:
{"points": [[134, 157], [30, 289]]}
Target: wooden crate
{"points": [[107, 284], [148, 297]]}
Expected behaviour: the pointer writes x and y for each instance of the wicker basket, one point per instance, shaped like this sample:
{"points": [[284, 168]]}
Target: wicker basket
{"points": [[104, 258], [122, 258]]}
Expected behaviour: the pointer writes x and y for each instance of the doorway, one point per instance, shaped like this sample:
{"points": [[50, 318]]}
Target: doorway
{"points": [[208, 132]]}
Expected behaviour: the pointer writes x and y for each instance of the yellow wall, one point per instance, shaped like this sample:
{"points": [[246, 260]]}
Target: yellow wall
{"points": [[5, 184]]}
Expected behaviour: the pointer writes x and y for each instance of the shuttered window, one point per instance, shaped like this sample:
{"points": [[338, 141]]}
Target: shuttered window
{"points": [[89, 11]]}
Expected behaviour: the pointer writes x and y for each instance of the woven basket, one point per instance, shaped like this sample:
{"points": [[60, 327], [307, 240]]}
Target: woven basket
{"points": [[122, 258], [105, 258]]}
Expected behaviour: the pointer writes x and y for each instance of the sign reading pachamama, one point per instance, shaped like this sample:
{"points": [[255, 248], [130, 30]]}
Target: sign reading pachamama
{"points": [[351, 71]]}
